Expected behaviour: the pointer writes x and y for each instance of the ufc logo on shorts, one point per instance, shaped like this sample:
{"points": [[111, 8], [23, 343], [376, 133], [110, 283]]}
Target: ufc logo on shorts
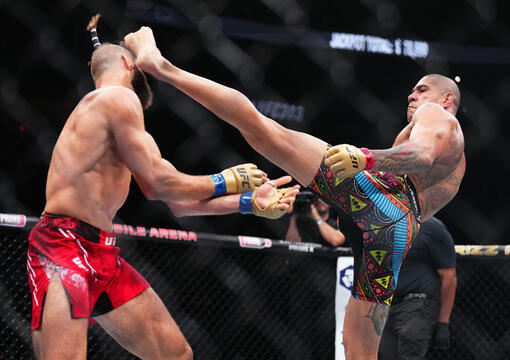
{"points": [[78, 262], [243, 174], [110, 241]]}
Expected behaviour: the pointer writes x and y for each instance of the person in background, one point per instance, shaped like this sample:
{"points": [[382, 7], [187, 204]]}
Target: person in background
{"points": [[310, 221], [420, 312]]}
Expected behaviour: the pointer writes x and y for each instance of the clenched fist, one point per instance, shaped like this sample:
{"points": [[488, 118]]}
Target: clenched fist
{"points": [[242, 178], [348, 160]]}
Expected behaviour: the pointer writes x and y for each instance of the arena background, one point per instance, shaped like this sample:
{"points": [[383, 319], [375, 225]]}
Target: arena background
{"points": [[340, 96], [278, 54]]}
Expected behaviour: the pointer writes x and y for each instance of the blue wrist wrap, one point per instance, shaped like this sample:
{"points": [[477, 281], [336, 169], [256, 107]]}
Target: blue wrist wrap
{"points": [[220, 188], [245, 203]]}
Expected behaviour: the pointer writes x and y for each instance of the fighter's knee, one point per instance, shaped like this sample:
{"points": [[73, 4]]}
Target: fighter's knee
{"points": [[183, 353], [187, 353], [176, 351]]}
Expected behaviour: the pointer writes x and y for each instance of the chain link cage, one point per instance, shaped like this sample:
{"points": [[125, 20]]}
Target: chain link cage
{"points": [[234, 303]]}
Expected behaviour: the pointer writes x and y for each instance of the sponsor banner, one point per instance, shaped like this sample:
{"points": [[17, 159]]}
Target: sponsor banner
{"points": [[254, 242], [303, 247], [14, 220], [344, 282], [153, 232], [482, 250]]}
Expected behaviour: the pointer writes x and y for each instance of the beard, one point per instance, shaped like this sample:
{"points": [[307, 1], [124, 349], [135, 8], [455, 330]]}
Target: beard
{"points": [[142, 88]]}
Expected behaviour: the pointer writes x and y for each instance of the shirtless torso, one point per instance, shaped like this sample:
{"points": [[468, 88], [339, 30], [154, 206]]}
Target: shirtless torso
{"points": [[87, 179], [438, 185], [72, 257]]}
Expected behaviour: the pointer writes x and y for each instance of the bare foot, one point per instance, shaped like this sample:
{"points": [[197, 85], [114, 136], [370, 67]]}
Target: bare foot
{"points": [[143, 45]]}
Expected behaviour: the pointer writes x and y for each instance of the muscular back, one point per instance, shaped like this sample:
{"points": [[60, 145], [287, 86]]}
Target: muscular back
{"points": [[86, 177], [442, 134]]}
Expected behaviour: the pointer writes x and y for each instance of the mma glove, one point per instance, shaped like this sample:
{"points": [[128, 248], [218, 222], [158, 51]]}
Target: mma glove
{"points": [[248, 204], [237, 180], [348, 160], [441, 336]]}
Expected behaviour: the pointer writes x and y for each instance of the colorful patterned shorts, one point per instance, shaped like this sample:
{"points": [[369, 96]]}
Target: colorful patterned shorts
{"points": [[384, 207]]}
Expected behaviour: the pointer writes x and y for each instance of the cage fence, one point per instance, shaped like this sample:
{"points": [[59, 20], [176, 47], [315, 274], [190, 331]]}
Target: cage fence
{"points": [[257, 301]]}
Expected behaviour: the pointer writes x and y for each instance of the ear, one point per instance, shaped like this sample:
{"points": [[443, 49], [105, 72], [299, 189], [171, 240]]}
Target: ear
{"points": [[447, 101], [128, 63]]}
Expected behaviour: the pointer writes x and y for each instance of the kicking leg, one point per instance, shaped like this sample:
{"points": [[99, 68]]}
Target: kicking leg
{"points": [[363, 327], [144, 327], [59, 336], [297, 153]]}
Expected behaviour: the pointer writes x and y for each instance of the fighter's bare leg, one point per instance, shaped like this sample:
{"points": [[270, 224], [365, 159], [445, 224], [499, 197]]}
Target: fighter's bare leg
{"points": [[144, 327], [59, 336], [297, 153], [363, 326]]}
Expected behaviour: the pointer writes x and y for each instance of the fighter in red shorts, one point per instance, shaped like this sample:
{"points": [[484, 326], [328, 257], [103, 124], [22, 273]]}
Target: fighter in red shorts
{"points": [[74, 267], [429, 151]]}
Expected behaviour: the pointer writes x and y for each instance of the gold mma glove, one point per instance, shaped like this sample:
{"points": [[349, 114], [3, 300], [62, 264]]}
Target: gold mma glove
{"points": [[237, 180], [348, 160], [242, 178], [271, 211]]}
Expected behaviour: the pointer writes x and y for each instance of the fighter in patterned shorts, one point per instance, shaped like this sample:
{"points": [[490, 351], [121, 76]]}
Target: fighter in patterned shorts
{"points": [[385, 209], [74, 267], [429, 151]]}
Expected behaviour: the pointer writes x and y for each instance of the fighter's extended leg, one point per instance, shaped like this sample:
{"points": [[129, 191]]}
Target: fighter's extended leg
{"points": [[297, 153], [144, 327], [363, 327], [59, 336]]}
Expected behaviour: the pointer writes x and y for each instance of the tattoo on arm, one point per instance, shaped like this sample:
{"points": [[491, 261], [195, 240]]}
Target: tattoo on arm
{"points": [[378, 313], [402, 159], [436, 197]]}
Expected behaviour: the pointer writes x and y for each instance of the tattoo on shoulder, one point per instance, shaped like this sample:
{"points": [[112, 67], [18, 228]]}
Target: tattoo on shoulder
{"points": [[378, 313]]}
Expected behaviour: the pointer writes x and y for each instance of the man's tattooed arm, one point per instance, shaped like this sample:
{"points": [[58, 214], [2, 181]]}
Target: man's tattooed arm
{"points": [[378, 313], [405, 158]]}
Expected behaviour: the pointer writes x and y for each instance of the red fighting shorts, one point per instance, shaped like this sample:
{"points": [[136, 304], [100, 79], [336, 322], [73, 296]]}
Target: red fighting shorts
{"points": [[95, 278]]}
